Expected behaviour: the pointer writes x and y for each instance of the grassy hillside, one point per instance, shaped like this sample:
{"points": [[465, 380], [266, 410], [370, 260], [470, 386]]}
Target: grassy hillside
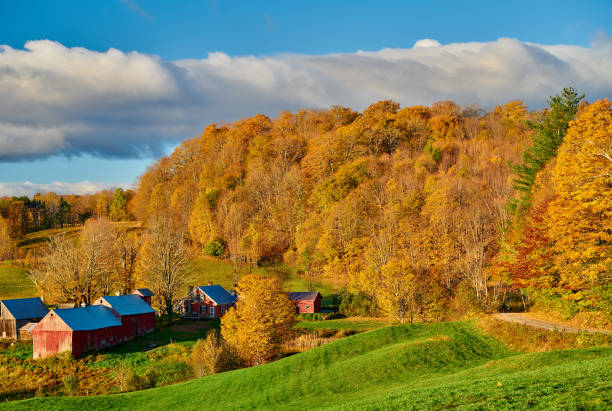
{"points": [[14, 282], [400, 367], [222, 272], [38, 238]]}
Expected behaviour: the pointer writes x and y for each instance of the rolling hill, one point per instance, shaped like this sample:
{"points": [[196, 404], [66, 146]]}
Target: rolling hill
{"points": [[434, 366]]}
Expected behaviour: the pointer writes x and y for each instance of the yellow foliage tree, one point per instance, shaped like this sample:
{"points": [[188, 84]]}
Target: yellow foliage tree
{"points": [[580, 218], [261, 321], [6, 243]]}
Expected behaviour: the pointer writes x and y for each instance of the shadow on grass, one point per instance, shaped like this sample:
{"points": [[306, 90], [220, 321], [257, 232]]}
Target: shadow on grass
{"points": [[185, 332]]}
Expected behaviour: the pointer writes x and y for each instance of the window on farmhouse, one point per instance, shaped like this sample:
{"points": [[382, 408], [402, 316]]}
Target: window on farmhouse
{"points": [[203, 309]]}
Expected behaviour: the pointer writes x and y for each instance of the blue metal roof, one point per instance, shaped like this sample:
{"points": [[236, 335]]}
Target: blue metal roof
{"points": [[89, 318], [26, 308], [217, 293], [128, 304], [145, 292]]}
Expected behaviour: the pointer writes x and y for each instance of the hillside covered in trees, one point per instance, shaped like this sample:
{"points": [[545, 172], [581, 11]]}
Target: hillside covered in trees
{"points": [[416, 209]]}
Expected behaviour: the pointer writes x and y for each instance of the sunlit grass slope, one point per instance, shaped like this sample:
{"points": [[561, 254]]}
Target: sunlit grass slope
{"points": [[40, 238], [223, 272], [14, 282], [400, 367]]}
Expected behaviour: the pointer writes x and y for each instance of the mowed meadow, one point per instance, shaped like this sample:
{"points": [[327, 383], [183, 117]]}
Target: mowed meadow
{"points": [[436, 366]]}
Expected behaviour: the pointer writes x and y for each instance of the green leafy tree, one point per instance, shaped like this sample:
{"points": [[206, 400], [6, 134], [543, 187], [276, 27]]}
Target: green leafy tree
{"points": [[549, 136], [118, 208]]}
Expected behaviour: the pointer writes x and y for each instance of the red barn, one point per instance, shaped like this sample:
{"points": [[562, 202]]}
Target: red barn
{"points": [[76, 330], [145, 293], [211, 301], [137, 317], [306, 302]]}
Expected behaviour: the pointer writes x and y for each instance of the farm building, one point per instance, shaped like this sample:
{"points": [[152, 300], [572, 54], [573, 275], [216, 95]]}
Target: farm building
{"points": [[25, 332], [306, 302], [145, 293], [137, 317], [16, 313], [77, 330], [210, 301]]}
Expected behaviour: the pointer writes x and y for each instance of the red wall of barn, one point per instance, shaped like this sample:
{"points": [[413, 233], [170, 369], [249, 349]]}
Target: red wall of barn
{"points": [[83, 341], [50, 342], [313, 306], [139, 324]]}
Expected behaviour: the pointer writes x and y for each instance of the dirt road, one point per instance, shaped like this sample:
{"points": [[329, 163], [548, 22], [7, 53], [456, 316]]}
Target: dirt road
{"points": [[531, 322]]}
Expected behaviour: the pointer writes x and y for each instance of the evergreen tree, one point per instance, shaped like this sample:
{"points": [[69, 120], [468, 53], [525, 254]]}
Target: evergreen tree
{"points": [[550, 131]]}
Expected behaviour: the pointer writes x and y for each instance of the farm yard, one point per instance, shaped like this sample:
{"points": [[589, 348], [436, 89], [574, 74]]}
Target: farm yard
{"points": [[163, 354]]}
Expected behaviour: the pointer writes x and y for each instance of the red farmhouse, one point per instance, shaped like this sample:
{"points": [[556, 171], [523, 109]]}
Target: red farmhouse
{"points": [[306, 302], [137, 317], [211, 301], [76, 330]]}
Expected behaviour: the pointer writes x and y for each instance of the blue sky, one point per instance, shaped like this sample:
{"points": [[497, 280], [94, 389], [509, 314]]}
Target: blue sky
{"points": [[70, 137]]}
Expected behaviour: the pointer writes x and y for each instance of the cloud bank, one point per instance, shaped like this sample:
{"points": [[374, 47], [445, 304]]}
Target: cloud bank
{"points": [[29, 189], [73, 101]]}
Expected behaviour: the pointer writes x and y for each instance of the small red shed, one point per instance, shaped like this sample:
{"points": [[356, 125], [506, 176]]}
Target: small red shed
{"points": [[210, 301], [76, 330], [145, 294], [306, 302], [137, 317]]}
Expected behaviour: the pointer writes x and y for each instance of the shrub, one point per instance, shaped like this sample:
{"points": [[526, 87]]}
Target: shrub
{"points": [[210, 355], [71, 383], [131, 381], [352, 305], [150, 378], [215, 248], [434, 152], [464, 300]]}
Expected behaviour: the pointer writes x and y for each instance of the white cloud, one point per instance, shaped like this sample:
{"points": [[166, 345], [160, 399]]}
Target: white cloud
{"points": [[29, 189], [59, 100], [426, 43]]}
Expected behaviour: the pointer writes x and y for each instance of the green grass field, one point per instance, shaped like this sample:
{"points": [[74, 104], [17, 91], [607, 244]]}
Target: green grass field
{"points": [[14, 282], [348, 324], [437, 366], [39, 238]]}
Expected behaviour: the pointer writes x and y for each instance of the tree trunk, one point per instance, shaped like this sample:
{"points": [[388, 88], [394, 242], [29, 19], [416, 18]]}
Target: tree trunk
{"points": [[169, 310]]}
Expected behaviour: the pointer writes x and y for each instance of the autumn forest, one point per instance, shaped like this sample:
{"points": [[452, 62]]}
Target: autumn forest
{"points": [[414, 210]]}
